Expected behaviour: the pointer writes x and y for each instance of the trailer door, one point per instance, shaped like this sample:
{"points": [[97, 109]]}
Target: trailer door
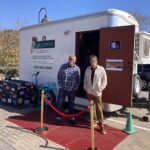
{"points": [[116, 55]]}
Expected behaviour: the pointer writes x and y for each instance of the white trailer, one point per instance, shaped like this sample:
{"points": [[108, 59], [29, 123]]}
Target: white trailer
{"points": [[45, 47], [142, 60]]}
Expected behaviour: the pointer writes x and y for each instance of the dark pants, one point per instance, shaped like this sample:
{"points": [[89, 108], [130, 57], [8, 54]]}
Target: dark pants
{"points": [[61, 98]]}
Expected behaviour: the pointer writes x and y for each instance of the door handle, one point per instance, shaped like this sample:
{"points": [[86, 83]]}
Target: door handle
{"points": [[128, 68]]}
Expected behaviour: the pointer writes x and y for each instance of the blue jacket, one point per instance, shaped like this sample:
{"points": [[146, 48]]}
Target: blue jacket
{"points": [[69, 77]]}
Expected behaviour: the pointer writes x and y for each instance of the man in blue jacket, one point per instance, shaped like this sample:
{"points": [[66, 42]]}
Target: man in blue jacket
{"points": [[68, 82]]}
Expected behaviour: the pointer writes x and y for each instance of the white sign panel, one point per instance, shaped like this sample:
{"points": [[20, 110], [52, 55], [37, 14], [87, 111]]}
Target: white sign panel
{"points": [[41, 56], [114, 64]]}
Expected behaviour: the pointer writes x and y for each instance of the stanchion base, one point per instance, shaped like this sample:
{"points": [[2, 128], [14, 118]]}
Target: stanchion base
{"points": [[40, 130], [90, 148]]}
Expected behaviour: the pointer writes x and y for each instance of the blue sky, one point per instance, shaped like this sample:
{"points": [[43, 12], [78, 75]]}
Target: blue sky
{"points": [[27, 10]]}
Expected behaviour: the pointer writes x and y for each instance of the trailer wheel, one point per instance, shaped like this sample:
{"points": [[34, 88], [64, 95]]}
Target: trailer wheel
{"points": [[137, 86], [51, 96]]}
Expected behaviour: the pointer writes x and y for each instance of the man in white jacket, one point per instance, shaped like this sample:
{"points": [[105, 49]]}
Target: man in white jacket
{"points": [[95, 81]]}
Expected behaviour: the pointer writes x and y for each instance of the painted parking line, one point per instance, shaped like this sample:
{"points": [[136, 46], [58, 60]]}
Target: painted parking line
{"points": [[121, 122]]}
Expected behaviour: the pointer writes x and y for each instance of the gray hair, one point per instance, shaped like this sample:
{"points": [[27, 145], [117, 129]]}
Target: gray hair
{"points": [[93, 56], [72, 56]]}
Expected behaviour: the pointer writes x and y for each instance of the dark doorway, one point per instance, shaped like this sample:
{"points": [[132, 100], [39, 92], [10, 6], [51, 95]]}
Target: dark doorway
{"points": [[87, 43]]}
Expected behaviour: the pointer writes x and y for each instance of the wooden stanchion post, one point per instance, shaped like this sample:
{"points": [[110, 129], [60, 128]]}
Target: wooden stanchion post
{"points": [[95, 116], [42, 109], [42, 129], [92, 126]]}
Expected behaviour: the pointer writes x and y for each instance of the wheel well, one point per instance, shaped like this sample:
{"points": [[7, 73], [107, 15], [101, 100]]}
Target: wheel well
{"points": [[145, 76]]}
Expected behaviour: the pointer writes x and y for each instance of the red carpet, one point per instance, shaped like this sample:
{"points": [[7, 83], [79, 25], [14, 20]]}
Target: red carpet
{"points": [[74, 138]]}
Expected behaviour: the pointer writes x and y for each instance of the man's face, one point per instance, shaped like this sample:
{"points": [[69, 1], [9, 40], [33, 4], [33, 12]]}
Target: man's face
{"points": [[72, 60], [93, 62]]}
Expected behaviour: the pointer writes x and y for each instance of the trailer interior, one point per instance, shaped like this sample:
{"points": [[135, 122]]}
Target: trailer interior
{"points": [[87, 43]]}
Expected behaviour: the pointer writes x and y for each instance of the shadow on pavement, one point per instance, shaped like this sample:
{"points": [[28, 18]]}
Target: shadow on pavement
{"points": [[46, 141]]}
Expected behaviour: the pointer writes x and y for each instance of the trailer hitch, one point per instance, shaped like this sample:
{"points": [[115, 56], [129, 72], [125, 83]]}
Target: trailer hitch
{"points": [[147, 116]]}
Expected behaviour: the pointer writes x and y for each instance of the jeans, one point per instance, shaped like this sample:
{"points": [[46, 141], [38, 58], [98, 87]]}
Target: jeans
{"points": [[61, 98]]}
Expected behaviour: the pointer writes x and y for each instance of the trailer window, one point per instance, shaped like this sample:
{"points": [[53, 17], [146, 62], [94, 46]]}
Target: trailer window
{"points": [[146, 47], [115, 45], [44, 44]]}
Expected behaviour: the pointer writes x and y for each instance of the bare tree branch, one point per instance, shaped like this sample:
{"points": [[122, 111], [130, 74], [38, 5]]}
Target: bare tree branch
{"points": [[143, 20]]}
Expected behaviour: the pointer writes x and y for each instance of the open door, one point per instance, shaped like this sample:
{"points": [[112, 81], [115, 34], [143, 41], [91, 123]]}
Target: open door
{"points": [[116, 55], [87, 43]]}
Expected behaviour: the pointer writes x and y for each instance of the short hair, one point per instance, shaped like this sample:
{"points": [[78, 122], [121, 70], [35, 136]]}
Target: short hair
{"points": [[72, 56], [93, 56]]}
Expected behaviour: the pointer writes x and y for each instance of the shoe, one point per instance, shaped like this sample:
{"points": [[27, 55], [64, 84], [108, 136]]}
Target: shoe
{"points": [[58, 121], [95, 124], [103, 131], [72, 121]]}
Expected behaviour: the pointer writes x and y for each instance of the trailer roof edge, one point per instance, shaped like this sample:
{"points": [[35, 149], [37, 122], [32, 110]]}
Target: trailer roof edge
{"points": [[117, 12], [144, 32]]}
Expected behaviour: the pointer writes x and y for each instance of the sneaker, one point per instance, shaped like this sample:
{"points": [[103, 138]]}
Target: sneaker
{"points": [[72, 121], [103, 131], [58, 121], [95, 124]]}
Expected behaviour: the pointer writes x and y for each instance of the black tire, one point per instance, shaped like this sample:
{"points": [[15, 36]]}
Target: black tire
{"points": [[137, 86]]}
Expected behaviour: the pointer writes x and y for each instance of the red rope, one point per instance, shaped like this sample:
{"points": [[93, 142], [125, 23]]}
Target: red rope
{"points": [[63, 114]]}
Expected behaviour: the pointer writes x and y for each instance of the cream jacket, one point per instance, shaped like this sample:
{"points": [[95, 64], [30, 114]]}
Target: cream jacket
{"points": [[99, 81]]}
